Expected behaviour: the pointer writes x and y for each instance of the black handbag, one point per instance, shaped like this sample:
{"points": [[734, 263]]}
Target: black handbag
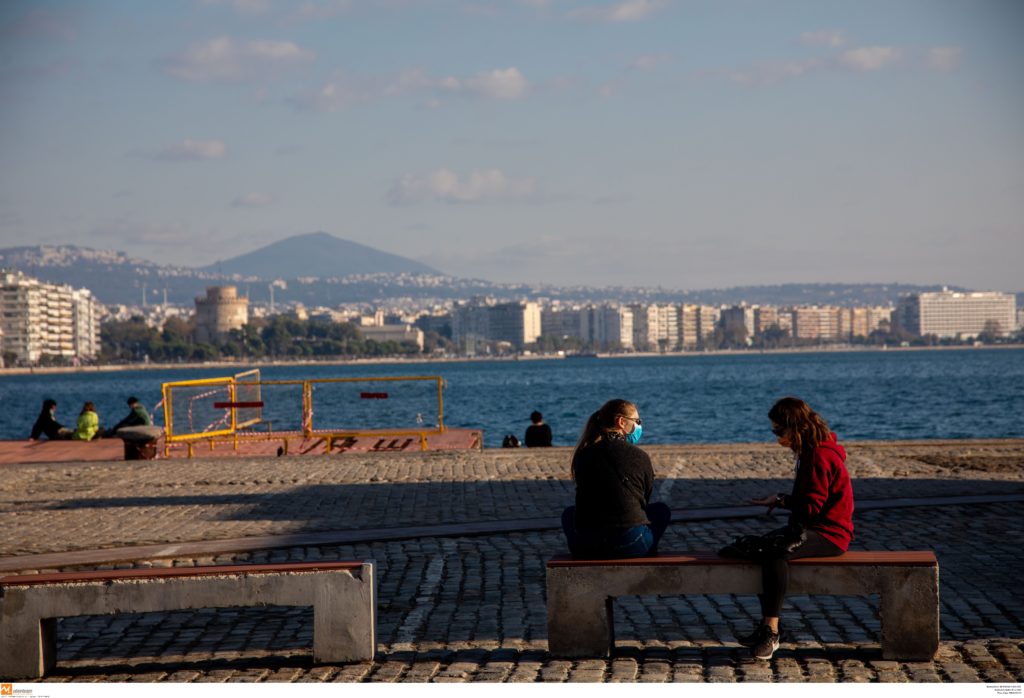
{"points": [[771, 545]]}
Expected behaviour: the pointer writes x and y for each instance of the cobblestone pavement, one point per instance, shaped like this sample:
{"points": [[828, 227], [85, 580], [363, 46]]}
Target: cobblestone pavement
{"points": [[461, 609]]}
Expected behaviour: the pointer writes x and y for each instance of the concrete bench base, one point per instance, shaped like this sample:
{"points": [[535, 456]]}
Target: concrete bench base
{"points": [[580, 593], [342, 594]]}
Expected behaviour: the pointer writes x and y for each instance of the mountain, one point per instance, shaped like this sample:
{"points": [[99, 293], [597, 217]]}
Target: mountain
{"points": [[318, 255]]}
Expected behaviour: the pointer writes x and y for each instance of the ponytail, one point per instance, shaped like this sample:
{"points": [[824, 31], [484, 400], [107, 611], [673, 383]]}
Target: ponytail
{"points": [[598, 424]]}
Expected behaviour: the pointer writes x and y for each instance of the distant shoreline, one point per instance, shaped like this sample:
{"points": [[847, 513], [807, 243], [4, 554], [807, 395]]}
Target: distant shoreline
{"points": [[109, 368]]}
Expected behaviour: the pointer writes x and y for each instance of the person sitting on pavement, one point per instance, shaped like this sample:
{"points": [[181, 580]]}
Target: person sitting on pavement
{"points": [[538, 433], [47, 424], [138, 417], [88, 423], [613, 516], [821, 511]]}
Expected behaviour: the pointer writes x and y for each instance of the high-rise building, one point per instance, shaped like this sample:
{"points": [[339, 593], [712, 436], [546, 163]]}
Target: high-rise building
{"points": [[707, 321], [609, 326], [816, 322], [957, 315], [737, 322], [221, 311], [518, 324], [689, 327], [47, 320]]}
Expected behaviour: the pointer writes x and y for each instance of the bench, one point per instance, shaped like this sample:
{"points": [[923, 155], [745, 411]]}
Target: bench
{"points": [[342, 594], [580, 593]]}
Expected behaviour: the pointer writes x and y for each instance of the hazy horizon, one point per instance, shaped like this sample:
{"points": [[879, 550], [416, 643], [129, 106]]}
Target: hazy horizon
{"points": [[628, 143]]}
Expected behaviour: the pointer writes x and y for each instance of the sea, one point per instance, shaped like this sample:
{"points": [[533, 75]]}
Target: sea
{"points": [[699, 398]]}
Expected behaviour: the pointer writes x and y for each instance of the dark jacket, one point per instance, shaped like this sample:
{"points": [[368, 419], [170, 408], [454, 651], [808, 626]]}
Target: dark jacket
{"points": [[614, 481], [138, 417], [822, 497], [46, 424], [538, 435]]}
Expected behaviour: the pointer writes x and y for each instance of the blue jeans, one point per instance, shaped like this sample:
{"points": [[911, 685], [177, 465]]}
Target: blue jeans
{"points": [[610, 543]]}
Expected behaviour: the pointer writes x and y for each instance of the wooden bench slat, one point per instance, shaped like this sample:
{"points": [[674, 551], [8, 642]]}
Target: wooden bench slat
{"points": [[170, 572], [875, 558]]}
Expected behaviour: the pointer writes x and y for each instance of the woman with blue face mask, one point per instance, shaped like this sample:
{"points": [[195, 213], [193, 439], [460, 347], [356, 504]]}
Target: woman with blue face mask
{"points": [[613, 516]]}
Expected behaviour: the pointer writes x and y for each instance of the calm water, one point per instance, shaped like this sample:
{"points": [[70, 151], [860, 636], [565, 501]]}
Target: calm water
{"points": [[704, 398]]}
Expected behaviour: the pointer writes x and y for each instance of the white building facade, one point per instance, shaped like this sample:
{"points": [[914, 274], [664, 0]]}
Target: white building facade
{"points": [[39, 319]]}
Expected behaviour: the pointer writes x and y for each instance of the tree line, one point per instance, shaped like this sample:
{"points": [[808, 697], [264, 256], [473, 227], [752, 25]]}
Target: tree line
{"points": [[278, 337]]}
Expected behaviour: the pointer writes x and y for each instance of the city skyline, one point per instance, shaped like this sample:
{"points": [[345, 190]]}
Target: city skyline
{"points": [[645, 142]]}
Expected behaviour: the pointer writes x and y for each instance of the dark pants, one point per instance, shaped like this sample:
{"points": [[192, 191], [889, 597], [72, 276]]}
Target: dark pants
{"points": [[775, 571], [611, 543]]}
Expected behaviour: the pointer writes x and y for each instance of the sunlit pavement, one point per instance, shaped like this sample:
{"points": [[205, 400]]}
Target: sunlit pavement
{"points": [[471, 607]]}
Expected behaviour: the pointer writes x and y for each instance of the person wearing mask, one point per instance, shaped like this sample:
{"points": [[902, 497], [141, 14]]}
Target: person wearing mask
{"points": [[137, 417], [47, 424], [820, 505], [538, 433], [88, 423], [613, 516]]}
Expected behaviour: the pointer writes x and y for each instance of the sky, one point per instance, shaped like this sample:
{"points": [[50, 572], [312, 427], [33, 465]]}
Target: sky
{"points": [[685, 144]]}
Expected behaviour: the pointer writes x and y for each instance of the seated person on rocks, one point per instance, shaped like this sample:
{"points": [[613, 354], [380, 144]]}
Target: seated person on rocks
{"points": [[46, 424], [821, 518], [138, 417], [88, 423], [538, 433], [613, 516]]}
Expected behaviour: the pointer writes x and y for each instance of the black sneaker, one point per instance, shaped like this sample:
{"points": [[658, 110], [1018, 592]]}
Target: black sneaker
{"points": [[751, 639], [766, 644]]}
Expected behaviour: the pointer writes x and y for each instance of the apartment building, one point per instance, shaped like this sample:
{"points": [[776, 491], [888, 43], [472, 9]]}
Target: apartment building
{"points": [[816, 322], [39, 320], [957, 315], [689, 327], [518, 324]]}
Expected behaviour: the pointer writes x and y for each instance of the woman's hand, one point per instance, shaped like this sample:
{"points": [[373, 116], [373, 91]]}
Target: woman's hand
{"points": [[771, 502]]}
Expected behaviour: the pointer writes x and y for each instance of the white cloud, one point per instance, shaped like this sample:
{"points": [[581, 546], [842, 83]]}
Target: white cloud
{"points": [[648, 61], [190, 150], [869, 58], [498, 84], [345, 91], [773, 72], [832, 39], [253, 199], [243, 7], [324, 10], [225, 59], [945, 57], [627, 11], [481, 186]]}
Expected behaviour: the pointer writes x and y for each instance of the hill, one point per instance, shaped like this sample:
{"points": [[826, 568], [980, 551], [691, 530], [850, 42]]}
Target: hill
{"points": [[319, 255]]}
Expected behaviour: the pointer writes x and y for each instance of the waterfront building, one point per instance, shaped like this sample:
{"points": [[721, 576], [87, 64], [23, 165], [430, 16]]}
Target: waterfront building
{"points": [[738, 321], [40, 320], [562, 323], [609, 326], [645, 327], [951, 314], [518, 324], [689, 326], [765, 316], [223, 310], [816, 322], [707, 321], [393, 333]]}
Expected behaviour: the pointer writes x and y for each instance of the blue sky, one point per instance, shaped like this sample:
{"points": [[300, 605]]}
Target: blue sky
{"points": [[631, 142]]}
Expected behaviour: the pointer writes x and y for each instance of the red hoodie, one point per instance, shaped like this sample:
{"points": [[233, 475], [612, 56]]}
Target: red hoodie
{"points": [[822, 498]]}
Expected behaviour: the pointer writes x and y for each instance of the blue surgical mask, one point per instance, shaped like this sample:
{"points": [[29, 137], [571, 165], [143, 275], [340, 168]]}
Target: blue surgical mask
{"points": [[633, 437]]}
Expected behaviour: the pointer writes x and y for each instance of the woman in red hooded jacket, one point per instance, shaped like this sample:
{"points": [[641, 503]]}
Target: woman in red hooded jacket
{"points": [[820, 505]]}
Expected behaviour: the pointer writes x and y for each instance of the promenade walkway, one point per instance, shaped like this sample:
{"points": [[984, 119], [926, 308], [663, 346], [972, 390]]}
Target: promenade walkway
{"points": [[461, 538]]}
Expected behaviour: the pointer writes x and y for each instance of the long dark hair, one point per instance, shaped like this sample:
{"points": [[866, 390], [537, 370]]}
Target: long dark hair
{"points": [[87, 407], [48, 404], [599, 424], [802, 425]]}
